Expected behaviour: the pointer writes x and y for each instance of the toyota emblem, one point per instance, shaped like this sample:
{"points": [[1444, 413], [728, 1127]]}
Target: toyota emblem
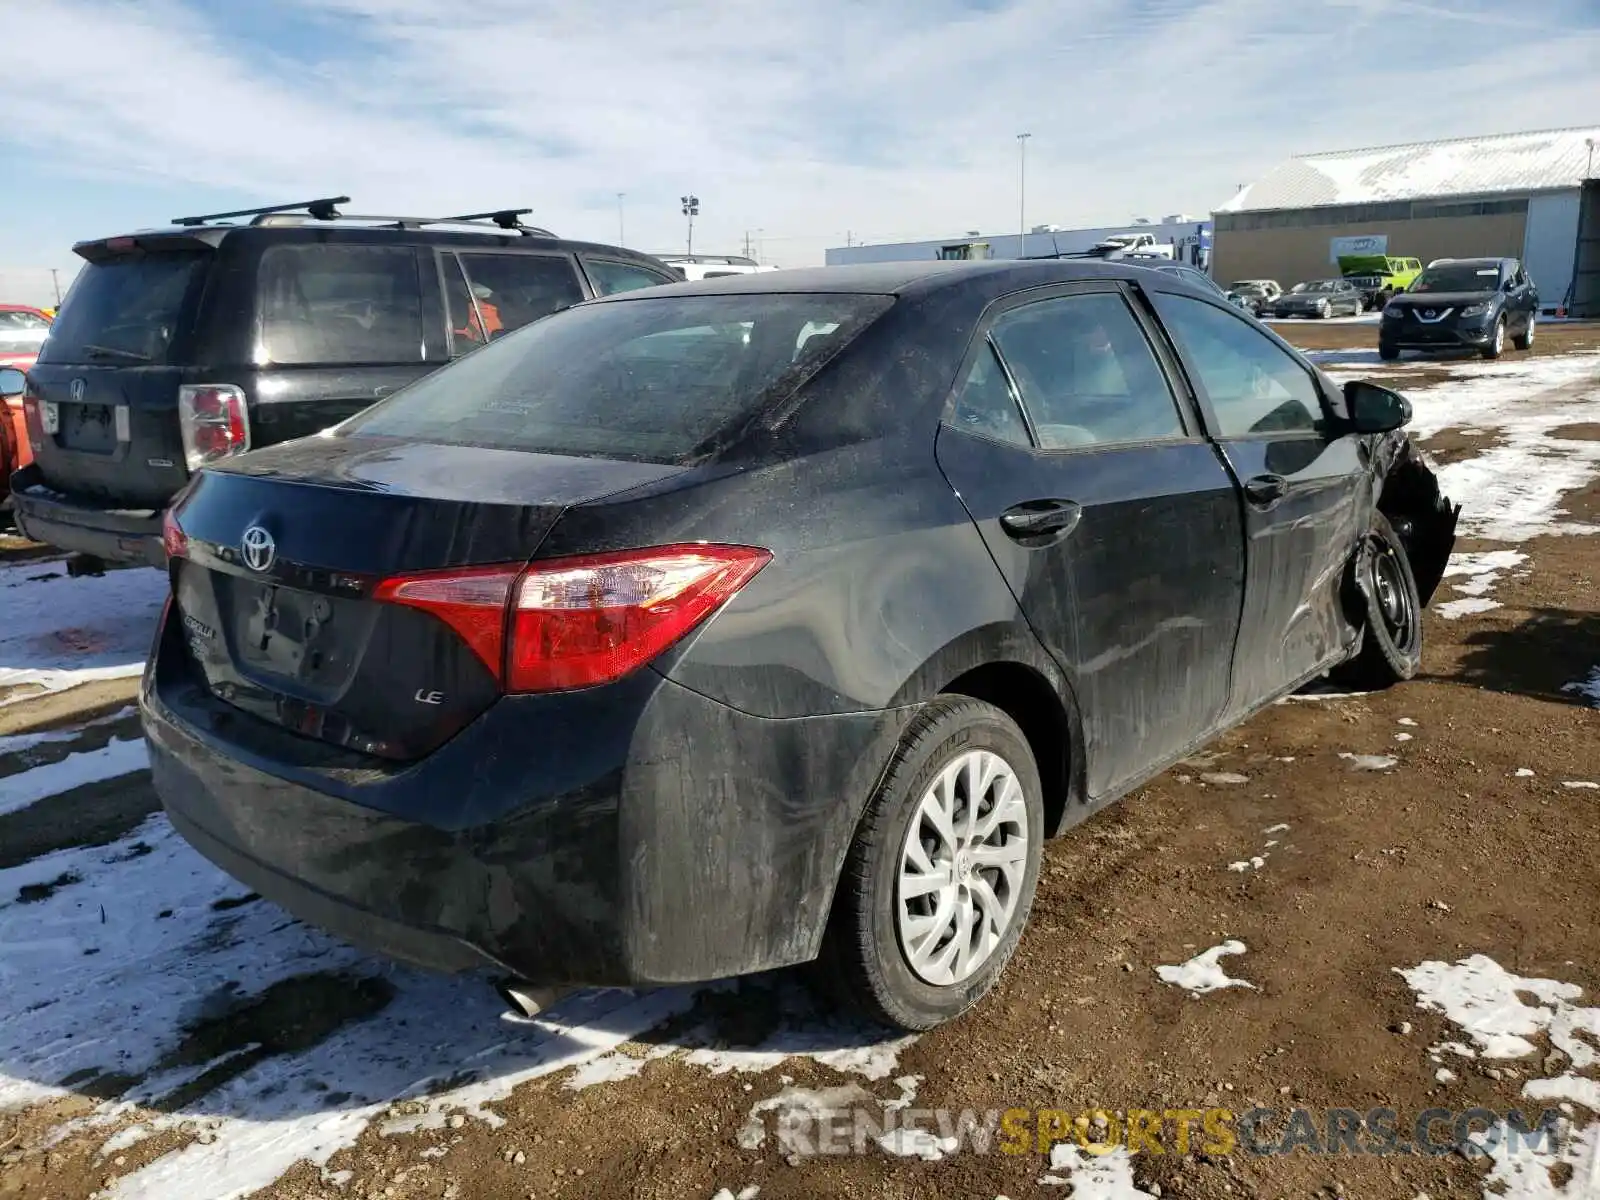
{"points": [[257, 548]]}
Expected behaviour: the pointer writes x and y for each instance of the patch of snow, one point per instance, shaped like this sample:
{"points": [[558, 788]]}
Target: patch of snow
{"points": [[1223, 777], [1406, 721], [97, 979], [20, 743], [61, 631], [119, 756], [799, 1107], [1368, 762], [1478, 573], [1523, 772], [1106, 1176], [844, 1045], [1256, 862], [1203, 973], [1524, 1172], [1276, 829], [1445, 1075], [1402, 737], [748, 1193], [918, 1143], [1584, 784], [1588, 688]]}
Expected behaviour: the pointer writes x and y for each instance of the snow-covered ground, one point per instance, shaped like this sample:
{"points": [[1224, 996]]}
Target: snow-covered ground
{"points": [[59, 631]]}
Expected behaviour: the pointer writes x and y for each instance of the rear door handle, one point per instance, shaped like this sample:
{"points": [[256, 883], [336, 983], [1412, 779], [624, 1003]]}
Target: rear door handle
{"points": [[1266, 489], [1041, 521]]}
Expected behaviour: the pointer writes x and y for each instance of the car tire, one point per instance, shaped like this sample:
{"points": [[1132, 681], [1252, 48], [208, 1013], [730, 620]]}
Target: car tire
{"points": [[1524, 340], [1497, 340], [1381, 589], [1387, 352], [867, 960]]}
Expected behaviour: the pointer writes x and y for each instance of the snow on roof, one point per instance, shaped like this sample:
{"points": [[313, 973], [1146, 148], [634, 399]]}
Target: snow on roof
{"points": [[1508, 162]]}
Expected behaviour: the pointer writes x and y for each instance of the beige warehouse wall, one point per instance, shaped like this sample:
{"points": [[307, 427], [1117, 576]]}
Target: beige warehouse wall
{"points": [[1290, 255]]}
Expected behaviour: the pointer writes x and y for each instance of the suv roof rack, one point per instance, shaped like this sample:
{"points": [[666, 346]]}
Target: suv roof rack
{"points": [[507, 219]]}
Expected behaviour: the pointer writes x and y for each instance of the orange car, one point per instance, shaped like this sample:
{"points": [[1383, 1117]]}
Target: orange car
{"points": [[22, 332]]}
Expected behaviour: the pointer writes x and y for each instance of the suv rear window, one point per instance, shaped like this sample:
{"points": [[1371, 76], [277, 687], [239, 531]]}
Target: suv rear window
{"points": [[650, 379], [124, 309], [340, 304]]}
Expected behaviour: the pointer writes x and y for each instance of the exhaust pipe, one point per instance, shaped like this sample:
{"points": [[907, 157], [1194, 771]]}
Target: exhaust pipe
{"points": [[528, 1000]]}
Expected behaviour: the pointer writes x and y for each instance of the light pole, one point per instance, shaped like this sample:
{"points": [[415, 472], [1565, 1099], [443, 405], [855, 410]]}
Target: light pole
{"points": [[1588, 172], [691, 210], [55, 278], [621, 235], [1022, 194]]}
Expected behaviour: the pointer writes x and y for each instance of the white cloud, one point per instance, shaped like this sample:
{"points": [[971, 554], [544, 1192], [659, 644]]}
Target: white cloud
{"points": [[888, 119]]}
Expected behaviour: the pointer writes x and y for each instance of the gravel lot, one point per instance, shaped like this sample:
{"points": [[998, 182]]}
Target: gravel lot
{"points": [[1397, 893]]}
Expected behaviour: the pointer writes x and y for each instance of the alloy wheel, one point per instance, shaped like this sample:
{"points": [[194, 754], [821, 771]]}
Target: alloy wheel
{"points": [[962, 868]]}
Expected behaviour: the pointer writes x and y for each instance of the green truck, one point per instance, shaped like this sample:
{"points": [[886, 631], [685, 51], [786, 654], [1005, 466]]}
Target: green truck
{"points": [[1379, 276]]}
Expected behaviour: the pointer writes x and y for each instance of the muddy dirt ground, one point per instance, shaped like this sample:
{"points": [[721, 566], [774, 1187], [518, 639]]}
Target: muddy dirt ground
{"points": [[1468, 843]]}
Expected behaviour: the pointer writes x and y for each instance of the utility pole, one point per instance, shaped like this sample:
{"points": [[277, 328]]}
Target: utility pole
{"points": [[1022, 193], [621, 235], [55, 278], [747, 243], [847, 238], [691, 210]]}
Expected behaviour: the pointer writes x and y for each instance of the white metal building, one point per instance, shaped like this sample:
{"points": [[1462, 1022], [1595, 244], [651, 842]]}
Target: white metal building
{"points": [[1189, 235], [1520, 195]]}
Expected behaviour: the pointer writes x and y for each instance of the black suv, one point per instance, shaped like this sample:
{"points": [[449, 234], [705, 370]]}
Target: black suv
{"points": [[180, 346], [1462, 304]]}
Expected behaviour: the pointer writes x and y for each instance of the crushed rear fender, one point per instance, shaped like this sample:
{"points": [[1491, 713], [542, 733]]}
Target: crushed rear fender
{"points": [[1421, 514]]}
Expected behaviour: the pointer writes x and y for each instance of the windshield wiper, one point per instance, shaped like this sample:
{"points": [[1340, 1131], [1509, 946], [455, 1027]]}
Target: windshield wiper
{"points": [[115, 352]]}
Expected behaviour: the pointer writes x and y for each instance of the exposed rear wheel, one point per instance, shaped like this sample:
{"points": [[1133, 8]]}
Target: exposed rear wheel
{"points": [[1383, 589], [939, 881]]}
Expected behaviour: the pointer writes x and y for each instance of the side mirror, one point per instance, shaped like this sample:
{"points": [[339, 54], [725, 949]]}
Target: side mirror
{"points": [[12, 383], [1375, 409]]}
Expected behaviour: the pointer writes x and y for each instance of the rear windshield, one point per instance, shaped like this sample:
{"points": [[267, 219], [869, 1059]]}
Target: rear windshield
{"points": [[1459, 277], [650, 379], [124, 309]]}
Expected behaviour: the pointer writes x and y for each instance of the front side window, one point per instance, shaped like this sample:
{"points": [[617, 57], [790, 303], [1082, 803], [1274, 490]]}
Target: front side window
{"points": [[1255, 386], [340, 304], [650, 378], [1086, 372]]}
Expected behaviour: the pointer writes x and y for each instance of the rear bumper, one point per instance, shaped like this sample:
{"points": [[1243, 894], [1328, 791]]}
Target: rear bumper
{"points": [[114, 535], [635, 835]]}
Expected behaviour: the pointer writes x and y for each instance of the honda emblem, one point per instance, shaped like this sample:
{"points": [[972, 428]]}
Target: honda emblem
{"points": [[75, 391]]}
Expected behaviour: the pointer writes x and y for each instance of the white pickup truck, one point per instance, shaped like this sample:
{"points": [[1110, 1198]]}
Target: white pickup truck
{"points": [[1143, 245]]}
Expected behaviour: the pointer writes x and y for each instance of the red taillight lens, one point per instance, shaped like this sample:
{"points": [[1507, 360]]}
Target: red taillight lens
{"points": [[472, 602], [582, 621], [214, 421], [173, 538], [33, 419]]}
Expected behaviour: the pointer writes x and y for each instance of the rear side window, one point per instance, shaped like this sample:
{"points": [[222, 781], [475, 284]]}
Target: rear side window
{"points": [[513, 290], [125, 310], [612, 277], [340, 304], [650, 379]]}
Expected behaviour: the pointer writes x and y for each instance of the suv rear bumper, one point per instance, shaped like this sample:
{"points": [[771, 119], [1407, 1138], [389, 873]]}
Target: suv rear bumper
{"points": [[114, 535]]}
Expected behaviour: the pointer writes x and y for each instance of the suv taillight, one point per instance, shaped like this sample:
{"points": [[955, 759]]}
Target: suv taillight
{"points": [[582, 621], [33, 418], [214, 423]]}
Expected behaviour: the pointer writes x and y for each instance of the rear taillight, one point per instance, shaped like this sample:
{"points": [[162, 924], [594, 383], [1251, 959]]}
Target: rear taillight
{"points": [[578, 622], [33, 419], [173, 539], [214, 423]]}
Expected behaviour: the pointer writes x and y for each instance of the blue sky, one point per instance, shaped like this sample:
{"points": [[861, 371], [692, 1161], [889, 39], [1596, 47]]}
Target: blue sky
{"points": [[883, 119]]}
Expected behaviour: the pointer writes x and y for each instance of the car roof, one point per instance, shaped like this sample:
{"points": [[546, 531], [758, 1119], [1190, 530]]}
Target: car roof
{"points": [[900, 278]]}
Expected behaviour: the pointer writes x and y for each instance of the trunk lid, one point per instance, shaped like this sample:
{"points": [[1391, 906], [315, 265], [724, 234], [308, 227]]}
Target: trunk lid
{"points": [[295, 636]]}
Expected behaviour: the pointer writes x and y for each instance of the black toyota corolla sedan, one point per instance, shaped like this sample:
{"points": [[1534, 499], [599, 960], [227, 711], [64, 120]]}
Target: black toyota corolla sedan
{"points": [[728, 625]]}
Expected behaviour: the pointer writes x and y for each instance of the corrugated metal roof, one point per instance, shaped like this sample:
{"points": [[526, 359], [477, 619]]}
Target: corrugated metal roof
{"points": [[1508, 162]]}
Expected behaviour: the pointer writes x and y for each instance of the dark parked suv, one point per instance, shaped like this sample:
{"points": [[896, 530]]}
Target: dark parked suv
{"points": [[1462, 304], [182, 346]]}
